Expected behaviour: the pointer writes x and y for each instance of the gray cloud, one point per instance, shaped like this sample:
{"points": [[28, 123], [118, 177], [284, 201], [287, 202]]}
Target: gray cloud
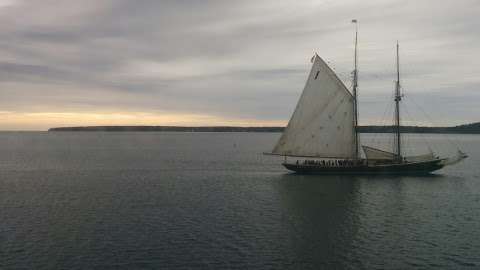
{"points": [[234, 59]]}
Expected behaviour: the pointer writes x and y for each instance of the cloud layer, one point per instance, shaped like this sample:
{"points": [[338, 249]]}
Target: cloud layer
{"points": [[228, 62]]}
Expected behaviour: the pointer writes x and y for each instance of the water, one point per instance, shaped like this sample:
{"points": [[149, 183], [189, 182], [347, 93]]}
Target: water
{"points": [[211, 200]]}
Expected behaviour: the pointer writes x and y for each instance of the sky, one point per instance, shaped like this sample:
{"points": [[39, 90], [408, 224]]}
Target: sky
{"points": [[239, 63]]}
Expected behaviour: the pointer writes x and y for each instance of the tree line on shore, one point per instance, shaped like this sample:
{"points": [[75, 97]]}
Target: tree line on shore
{"points": [[473, 128]]}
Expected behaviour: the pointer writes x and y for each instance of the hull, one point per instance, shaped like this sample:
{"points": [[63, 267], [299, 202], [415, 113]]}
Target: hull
{"points": [[415, 168]]}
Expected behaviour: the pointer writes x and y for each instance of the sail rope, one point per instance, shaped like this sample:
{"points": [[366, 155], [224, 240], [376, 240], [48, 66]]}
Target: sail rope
{"points": [[454, 143], [412, 119], [377, 137]]}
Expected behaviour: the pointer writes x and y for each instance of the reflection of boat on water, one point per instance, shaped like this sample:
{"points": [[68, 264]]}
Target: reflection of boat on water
{"points": [[323, 132]]}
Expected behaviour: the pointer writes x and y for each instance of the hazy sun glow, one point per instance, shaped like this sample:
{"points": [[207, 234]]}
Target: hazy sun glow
{"points": [[45, 120], [242, 63]]}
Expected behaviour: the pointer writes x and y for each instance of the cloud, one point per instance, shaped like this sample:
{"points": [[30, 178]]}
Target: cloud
{"points": [[229, 60]]}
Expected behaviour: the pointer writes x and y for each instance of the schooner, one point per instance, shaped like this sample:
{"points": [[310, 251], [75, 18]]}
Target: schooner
{"points": [[323, 136]]}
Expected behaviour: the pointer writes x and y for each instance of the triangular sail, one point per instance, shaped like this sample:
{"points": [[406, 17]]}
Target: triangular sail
{"points": [[322, 124], [377, 154]]}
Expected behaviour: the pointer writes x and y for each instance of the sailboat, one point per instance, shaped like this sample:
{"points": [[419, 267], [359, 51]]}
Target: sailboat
{"points": [[322, 134]]}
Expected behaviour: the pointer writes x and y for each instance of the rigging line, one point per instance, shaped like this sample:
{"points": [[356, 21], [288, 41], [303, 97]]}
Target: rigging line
{"points": [[410, 137], [391, 138], [405, 136], [389, 122], [422, 135], [378, 137], [452, 142], [383, 119]]}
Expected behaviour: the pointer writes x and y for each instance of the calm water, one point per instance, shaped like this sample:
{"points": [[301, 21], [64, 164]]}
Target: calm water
{"points": [[211, 200]]}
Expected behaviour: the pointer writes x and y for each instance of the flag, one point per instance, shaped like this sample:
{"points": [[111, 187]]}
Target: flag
{"points": [[354, 21]]}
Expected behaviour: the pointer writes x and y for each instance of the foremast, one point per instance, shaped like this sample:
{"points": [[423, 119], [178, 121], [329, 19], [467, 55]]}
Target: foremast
{"points": [[355, 102], [398, 98]]}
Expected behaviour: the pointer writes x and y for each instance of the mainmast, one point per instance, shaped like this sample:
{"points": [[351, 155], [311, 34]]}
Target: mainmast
{"points": [[355, 86], [398, 98]]}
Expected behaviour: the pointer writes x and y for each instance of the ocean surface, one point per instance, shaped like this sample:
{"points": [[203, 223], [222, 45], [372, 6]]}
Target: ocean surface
{"points": [[159, 200]]}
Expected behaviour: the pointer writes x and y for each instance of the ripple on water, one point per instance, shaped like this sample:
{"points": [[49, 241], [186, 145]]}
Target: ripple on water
{"points": [[176, 201]]}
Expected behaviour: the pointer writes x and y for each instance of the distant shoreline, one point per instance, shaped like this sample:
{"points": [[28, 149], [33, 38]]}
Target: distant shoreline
{"points": [[473, 128]]}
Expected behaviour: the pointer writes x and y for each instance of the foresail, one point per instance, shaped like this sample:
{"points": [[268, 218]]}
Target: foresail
{"points": [[377, 154], [322, 123]]}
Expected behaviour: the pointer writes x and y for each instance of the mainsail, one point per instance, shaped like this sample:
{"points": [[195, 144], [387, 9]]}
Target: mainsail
{"points": [[323, 122]]}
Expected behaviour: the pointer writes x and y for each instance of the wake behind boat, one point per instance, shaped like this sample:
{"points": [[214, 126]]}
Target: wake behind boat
{"points": [[323, 135]]}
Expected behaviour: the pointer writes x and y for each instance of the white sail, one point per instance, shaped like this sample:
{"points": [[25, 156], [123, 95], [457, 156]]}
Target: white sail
{"points": [[322, 124], [378, 154], [374, 153]]}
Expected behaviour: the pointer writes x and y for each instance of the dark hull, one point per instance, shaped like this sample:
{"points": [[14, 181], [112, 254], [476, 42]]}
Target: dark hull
{"points": [[416, 168]]}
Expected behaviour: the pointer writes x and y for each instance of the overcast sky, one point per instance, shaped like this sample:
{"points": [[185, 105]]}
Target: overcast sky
{"points": [[182, 62]]}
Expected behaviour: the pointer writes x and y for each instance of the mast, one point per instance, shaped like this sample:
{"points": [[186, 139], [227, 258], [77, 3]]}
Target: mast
{"points": [[355, 86], [398, 98]]}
